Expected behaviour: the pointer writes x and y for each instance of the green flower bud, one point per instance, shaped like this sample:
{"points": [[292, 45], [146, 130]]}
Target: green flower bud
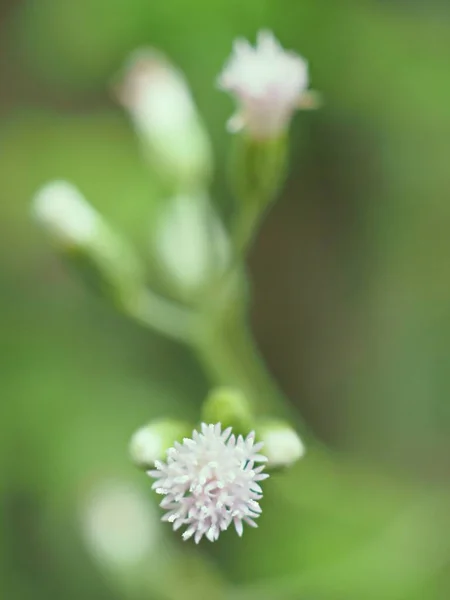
{"points": [[149, 443], [83, 238], [229, 407], [282, 444], [190, 244], [165, 117]]}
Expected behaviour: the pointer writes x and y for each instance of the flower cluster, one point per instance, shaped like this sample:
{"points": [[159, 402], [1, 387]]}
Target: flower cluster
{"points": [[211, 481]]}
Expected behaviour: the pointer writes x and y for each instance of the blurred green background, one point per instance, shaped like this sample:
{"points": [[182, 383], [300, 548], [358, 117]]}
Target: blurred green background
{"points": [[351, 308]]}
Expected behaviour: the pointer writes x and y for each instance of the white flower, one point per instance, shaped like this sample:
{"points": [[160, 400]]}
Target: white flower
{"points": [[269, 84], [211, 481], [61, 208]]}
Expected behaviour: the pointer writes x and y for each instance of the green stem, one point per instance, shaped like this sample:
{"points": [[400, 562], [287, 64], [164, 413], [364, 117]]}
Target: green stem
{"points": [[258, 170], [225, 348], [245, 227], [163, 316], [230, 358]]}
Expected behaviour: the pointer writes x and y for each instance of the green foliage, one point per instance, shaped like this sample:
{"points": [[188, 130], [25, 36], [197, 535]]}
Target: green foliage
{"points": [[351, 291]]}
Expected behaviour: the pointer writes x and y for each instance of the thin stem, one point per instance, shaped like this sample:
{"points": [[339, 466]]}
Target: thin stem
{"points": [[230, 358], [258, 171], [163, 316], [225, 348], [245, 227]]}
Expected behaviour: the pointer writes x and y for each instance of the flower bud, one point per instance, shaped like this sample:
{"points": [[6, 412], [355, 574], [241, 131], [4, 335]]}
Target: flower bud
{"points": [[149, 443], [190, 244], [164, 115], [282, 444], [229, 407], [81, 236], [67, 216]]}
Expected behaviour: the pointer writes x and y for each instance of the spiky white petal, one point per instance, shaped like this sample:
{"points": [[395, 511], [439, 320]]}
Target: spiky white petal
{"points": [[210, 482]]}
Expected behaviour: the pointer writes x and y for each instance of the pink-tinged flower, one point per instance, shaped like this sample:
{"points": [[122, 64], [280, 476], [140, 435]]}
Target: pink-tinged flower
{"points": [[210, 482], [269, 84]]}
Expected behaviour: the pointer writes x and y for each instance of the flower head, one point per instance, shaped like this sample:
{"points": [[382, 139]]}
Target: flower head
{"points": [[268, 82], [211, 481]]}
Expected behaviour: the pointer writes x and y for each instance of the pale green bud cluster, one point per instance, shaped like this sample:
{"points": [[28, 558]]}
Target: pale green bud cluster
{"points": [[196, 292], [282, 445]]}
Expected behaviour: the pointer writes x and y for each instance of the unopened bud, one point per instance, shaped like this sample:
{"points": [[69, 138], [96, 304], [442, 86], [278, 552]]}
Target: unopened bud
{"points": [[230, 407], [282, 444], [65, 214], [81, 235], [150, 442], [190, 244], [164, 115]]}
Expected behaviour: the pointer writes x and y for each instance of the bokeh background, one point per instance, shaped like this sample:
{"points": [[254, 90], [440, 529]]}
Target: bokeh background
{"points": [[351, 308]]}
